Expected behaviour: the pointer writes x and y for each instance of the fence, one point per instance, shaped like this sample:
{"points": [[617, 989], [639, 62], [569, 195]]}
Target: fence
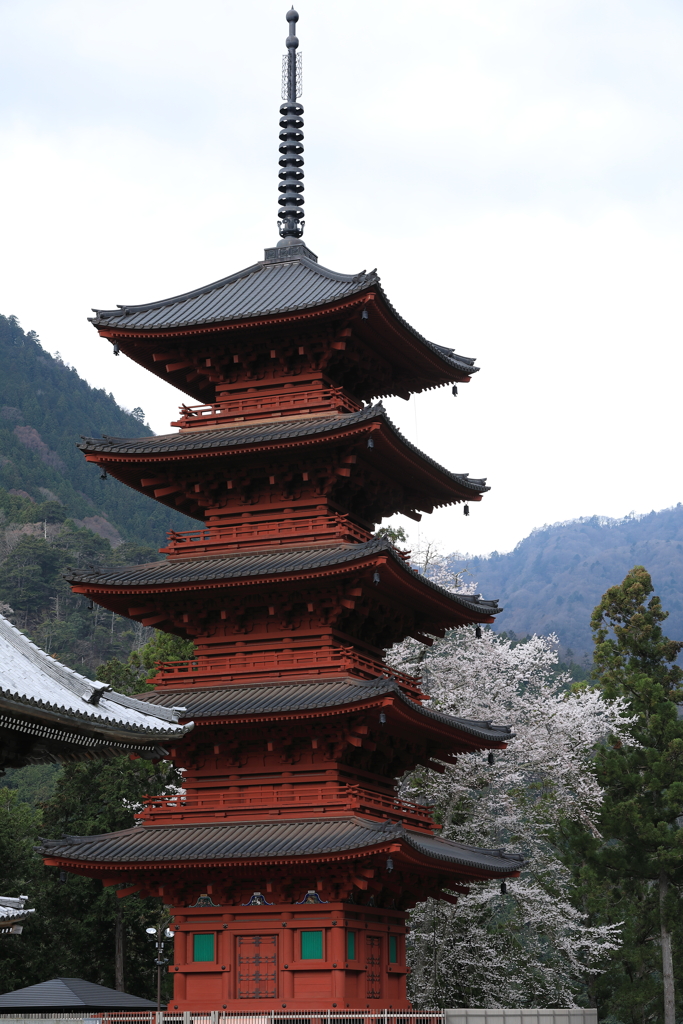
{"points": [[499, 1016], [220, 1017]]}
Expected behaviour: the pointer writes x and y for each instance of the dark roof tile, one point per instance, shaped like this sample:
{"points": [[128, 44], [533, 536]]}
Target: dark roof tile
{"points": [[267, 839], [267, 564], [263, 289], [260, 434], [230, 701]]}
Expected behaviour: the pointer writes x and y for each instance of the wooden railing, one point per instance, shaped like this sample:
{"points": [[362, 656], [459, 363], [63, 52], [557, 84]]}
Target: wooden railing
{"points": [[253, 663], [296, 801], [264, 404], [264, 533]]}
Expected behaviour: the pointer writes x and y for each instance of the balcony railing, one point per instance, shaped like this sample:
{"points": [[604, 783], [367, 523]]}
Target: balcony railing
{"points": [[295, 802], [265, 404], [264, 533], [253, 663]]}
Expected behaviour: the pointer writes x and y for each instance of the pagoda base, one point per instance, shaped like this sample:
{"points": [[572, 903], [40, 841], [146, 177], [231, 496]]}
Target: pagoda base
{"points": [[297, 956]]}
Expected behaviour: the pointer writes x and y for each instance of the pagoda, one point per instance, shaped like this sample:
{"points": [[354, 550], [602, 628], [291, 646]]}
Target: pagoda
{"points": [[288, 860]]}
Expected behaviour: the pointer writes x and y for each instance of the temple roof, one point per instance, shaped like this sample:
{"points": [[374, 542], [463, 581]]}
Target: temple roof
{"points": [[49, 702], [302, 837], [267, 564], [274, 286], [13, 910], [319, 695], [64, 994], [274, 431]]}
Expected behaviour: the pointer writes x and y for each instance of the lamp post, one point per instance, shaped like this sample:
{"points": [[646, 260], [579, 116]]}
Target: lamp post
{"points": [[158, 934]]}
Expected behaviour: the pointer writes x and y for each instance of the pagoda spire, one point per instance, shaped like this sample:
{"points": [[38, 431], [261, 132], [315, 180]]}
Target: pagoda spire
{"points": [[291, 186]]}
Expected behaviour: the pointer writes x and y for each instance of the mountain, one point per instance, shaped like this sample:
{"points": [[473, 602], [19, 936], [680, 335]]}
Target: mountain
{"points": [[554, 578], [44, 408]]}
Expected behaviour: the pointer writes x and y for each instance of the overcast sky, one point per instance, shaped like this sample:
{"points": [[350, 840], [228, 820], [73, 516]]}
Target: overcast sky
{"points": [[512, 168]]}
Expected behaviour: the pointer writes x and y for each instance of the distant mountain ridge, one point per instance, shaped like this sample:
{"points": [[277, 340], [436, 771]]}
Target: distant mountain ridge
{"points": [[554, 578], [45, 407]]}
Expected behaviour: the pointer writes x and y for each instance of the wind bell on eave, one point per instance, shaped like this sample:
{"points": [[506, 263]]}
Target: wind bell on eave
{"points": [[291, 175]]}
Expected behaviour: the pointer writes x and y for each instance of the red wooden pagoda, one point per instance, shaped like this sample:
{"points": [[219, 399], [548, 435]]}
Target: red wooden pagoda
{"points": [[289, 861]]}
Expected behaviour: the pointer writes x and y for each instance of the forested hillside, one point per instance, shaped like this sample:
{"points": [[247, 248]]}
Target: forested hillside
{"points": [[554, 578], [44, 408]]}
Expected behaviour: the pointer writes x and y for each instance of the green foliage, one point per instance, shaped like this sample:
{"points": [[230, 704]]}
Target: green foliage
{"points": [[641, 842], [45, 407], [131, 676], [397, 535], [643, 779], [33, 785], [32, 584]]}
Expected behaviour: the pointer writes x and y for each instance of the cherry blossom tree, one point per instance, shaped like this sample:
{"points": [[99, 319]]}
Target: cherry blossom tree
{"points": [[523, 944]]}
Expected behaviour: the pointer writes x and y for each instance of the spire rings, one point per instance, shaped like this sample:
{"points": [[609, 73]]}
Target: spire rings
{"points": [[291, 201]]}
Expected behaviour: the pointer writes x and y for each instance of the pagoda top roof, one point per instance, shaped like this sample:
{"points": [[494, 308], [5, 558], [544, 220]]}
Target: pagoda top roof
{"points": [[34, 686], [263, 840], [287, 281], [267, 564], [319, 695]]}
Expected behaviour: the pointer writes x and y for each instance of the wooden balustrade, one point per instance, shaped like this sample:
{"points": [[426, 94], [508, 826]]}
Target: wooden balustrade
{"points": [[264, 533], [264, 404], [296, 801], [276, 662]]}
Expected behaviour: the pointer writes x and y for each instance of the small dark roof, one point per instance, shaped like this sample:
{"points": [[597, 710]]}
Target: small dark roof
{"points": [[71, 994], [263, 289], [316, 695], [262, 433], [266, 563], [300, 837]]}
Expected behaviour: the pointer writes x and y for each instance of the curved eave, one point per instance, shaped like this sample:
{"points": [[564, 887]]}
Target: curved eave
{"points": [[95, 729], [441, 606], [432, 484], [425, 364], [454, 736], [403, 848]]}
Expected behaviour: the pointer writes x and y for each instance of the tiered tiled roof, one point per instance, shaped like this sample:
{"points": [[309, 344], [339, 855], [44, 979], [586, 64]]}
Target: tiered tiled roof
{"points": [[320, 695], [267, 565], [283, 284], [262, 841]]}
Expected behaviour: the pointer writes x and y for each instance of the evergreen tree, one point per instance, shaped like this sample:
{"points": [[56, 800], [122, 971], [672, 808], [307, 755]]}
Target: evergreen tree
{"points": [[638, 861]]}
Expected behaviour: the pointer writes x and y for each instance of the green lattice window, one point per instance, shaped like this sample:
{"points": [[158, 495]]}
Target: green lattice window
{"points": [[311, 945], [393, 949], [350, 945], [203, 947]]}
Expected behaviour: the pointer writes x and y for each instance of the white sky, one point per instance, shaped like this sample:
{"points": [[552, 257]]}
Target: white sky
{"points": [[512, 167]]}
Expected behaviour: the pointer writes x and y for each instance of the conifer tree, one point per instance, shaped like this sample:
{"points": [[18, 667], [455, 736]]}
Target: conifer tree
{"points": [[642, 775]]}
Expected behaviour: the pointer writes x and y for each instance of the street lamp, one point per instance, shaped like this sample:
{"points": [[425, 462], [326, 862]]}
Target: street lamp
{"points": [[159, 934]]}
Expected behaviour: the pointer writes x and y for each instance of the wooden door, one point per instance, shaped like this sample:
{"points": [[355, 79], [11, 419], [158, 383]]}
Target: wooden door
{"points": [[373, 959], [257, 966]]}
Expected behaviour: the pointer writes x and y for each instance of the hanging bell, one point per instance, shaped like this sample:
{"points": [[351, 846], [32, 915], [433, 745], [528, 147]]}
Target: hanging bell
{"points": [[116, 348], [466, 510], [375, 577], [503, 888], [455, 391], [490, 757], [371, 443], [477, 632], [103, 475]]}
